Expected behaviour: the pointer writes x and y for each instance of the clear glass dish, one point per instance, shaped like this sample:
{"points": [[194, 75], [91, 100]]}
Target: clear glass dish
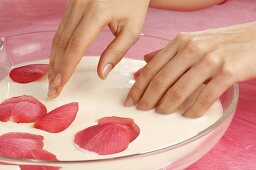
{"points": [[35, 46]]}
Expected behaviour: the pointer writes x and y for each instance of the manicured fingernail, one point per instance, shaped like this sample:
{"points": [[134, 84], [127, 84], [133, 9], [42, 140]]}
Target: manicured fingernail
{"points": [[106, 70], [189, 114], [57, 80], [186, 115], [52, 92], [128, 102], [142, 105], [163, 110]]}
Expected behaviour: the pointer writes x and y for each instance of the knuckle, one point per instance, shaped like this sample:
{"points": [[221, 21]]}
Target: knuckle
{"points": [[194, 46], [228, 71], [176, 92], [75, 42], [211, 60], [100, 11], [157, 83], [63, 43], [104, 16], [183, 37], [148, 69]]}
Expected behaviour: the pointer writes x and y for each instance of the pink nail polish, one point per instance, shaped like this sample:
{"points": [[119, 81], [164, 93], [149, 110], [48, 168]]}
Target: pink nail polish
{"points": [[106, 70]]}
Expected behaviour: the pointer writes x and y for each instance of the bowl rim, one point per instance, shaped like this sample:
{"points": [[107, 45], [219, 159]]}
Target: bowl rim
{"points": [[226, 115]]}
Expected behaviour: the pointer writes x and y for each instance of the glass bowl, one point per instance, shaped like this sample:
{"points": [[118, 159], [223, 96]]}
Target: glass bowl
{"points": [[35, 46]]}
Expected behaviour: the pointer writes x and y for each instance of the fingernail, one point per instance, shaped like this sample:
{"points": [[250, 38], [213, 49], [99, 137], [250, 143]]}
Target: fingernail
{"points": [[57, 81], [52, 92], [106, 70], [128, 102], [189, 114], [163, 110], [142, 105]]}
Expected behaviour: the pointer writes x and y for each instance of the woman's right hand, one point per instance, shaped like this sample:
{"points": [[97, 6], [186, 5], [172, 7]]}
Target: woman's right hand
{"points": [[83, 20]]}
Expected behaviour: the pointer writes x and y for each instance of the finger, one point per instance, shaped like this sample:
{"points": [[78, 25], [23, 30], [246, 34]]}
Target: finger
{"points": [[208, 96], [191, 99], [148, 72], [153, 67], [57, 37], [167, 77], [73, 21], [185, 86], [148, 57], [85, 33], [116, 51]]}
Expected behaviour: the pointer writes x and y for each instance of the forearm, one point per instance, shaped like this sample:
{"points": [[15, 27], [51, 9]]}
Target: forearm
{"points": [[183, 5]]}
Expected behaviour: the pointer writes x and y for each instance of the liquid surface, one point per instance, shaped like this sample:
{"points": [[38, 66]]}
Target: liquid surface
{"points": [[97, 99]]}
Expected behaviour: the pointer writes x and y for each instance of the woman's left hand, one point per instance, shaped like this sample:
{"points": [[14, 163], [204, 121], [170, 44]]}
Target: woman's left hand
{"points": [[217, 58]]}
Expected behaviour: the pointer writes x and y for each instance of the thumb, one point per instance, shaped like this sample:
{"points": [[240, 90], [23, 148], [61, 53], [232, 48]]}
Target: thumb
{"points": [[116, 51]]}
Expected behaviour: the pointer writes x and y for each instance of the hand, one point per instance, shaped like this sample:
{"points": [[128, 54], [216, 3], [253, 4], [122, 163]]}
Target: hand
{"points": [[83, 20], [217, 58]]}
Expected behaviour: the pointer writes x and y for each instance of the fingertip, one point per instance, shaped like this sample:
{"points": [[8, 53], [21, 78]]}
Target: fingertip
{"points": [[107, 69], [191, 114], [100, 69], [100, 74], [141, 105], [107, 62], [52, 92], [157, 110], [164, 111], [129, 102], [164, 108], [56, 80], [115, 51], [54, 87]]}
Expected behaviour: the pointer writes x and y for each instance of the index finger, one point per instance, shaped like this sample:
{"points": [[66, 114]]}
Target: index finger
{"points": [[57, 36]]}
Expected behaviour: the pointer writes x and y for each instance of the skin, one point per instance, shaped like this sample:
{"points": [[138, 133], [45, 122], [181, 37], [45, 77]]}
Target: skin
{"points": [[208, 62], [203, 60], [184, 5], [82, 22]]}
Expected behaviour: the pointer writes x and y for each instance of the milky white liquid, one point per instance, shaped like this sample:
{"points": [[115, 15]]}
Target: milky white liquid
{"points": [[97, 99]]}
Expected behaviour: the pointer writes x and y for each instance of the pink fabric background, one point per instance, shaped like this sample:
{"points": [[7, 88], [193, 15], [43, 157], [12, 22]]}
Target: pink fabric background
{"points": [[237, 149]]}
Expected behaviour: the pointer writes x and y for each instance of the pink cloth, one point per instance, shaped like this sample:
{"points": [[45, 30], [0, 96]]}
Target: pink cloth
{"points": [[237, 149]]}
